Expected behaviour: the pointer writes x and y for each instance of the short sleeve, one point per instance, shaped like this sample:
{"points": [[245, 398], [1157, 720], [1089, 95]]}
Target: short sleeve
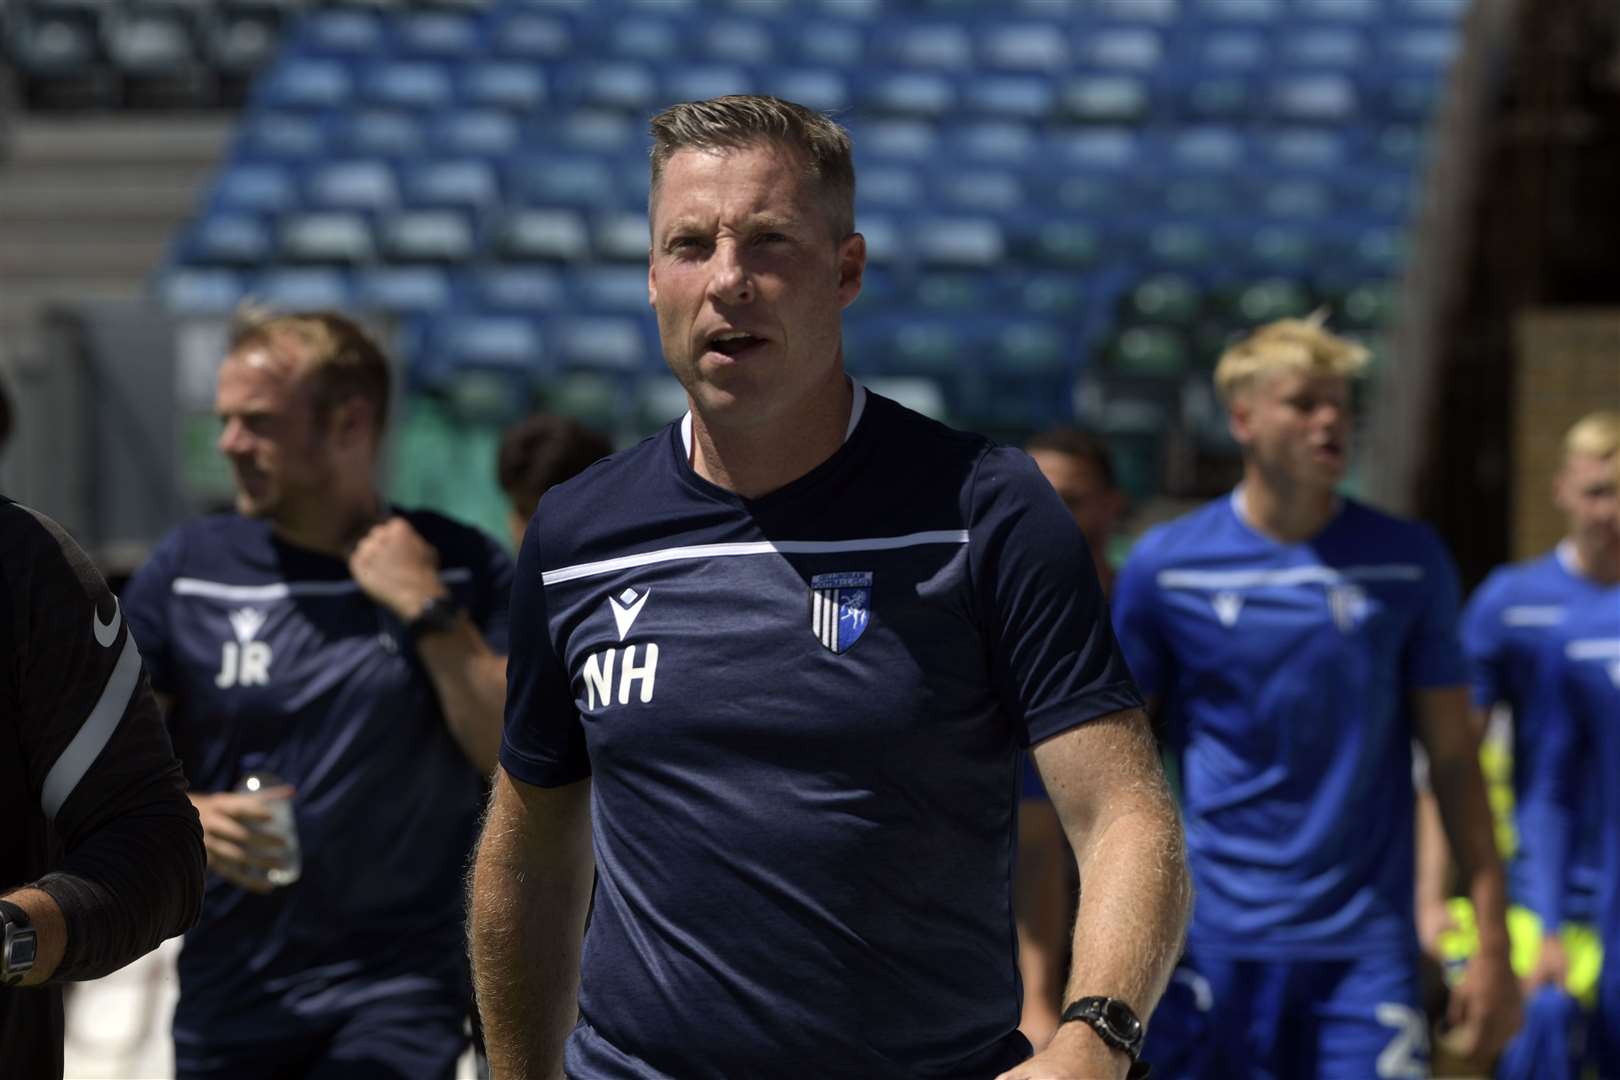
{"points": [[1433, 656], [1482, 644], [1052, 651], [145, 601], [495, 594], [543, 742], [1135, 621]]}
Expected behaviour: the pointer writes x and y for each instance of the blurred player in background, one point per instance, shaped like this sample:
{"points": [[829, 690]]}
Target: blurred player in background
{"points": [[101, 856], [354, 651], [773, 669], [1080, 469], [1575, 787], [537, 453], [1295, 641], [1505, 628]]}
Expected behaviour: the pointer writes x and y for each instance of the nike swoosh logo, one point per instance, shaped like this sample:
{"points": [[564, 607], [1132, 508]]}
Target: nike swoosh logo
{"points": [[625, 616], [106, 632]]}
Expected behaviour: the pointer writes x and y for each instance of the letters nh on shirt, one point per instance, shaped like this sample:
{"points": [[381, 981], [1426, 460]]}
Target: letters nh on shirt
{"points": [[244, 662], [635, 671]]}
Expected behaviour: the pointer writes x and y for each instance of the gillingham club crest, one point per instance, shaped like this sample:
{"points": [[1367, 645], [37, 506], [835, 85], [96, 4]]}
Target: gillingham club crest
{"points": [[840, 608]]}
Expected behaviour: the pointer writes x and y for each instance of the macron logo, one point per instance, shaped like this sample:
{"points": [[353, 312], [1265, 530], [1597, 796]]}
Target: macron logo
{"points": [[626, 606], [245, 623], [1227, 607], [106, 632]]}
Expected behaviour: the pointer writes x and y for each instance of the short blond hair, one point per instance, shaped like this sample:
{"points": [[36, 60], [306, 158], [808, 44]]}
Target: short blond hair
{"points": [[341, 359], [1595, 435], [1288, 345]]}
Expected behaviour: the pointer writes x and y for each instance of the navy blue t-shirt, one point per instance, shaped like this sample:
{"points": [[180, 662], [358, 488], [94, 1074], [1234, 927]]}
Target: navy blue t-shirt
{"points": [[1287, 672], [803, 717], [276, 660]]}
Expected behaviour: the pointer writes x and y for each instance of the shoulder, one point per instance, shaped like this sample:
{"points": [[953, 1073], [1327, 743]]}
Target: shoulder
{"points": [[449, 536], [1380, 534], [207, 544], [1187, 536]]}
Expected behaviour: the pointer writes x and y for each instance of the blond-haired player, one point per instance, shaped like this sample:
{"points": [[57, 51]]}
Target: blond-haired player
{"points": [[1294, 643]]}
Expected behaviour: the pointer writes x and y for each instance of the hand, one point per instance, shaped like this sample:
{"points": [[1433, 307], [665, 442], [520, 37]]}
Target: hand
{"points": [[240, 848], [1076, 1052], [398, 569], [1434, 920], [1485, 1009], [1552, 966]]}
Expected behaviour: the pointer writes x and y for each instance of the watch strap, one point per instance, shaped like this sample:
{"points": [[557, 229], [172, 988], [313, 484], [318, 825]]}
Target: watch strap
{"points": [[1115, 1023], [15, 924], [436, 616]]}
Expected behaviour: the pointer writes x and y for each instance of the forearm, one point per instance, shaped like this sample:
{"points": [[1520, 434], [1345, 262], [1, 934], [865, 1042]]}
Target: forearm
{"points": [[1135, 899], [1433, 853], [526, 928], [470, 679], [1459, 789], [135, 881]]}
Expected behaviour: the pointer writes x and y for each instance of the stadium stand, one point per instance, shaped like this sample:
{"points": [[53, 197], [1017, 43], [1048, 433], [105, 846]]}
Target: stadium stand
{"points": [[1092, 194]]}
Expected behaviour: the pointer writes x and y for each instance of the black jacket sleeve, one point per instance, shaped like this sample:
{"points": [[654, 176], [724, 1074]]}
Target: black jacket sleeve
{"points": [[123, 843]]}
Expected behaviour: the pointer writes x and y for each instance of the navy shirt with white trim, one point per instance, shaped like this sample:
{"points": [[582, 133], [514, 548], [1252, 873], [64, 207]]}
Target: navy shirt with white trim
{"points": [[1286, 673], [276, 660], [803, 716]]}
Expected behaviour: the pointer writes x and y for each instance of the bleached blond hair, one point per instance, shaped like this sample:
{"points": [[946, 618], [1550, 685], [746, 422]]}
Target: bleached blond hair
{"points": [[1596, 435], [1288, 345]]}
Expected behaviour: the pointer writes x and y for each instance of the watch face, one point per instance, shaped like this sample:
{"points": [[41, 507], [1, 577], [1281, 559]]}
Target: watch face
{"points": [[23, 951], [1117, 1015]]}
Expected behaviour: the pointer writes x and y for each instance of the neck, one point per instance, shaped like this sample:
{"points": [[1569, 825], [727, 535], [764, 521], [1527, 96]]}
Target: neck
{"points": [[758, 458], [333, 526], [1289, 513], [1599, 564]]}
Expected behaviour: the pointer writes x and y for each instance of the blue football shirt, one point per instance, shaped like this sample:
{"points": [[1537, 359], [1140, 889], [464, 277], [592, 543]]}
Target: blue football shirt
{"points": [[1504, 627], [803, 717], [276, 660], [1577, 703], [1285, 673]]}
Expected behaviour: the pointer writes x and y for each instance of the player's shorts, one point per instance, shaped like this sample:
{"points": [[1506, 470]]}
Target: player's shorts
{"points": [[409, 1036], [1269, 1020]]}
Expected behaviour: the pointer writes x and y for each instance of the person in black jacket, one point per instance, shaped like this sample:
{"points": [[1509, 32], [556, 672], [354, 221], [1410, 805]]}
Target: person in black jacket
{"points": [[101, 854]]}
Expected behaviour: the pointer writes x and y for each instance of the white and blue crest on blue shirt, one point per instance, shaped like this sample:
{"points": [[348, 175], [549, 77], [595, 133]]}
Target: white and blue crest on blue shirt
{"points": [[840, 608]]}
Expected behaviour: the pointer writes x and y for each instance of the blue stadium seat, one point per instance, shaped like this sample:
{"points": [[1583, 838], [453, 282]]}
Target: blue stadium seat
{"points": [[225, 239], [340, 31], [957, 241], [817, 88], [541, 235], [408, 84], [1209, 148], [1025, 346], [306, 83], [611, 287], [1134, 48], [894, 139], [392, 133], [831, 43], [911, 43], [621, 236], [518, 287], [972, 289], [634, 36], [434, 236], [303, 289], [1186, 244], [699, 82], [1097, 150], [508, 347], [263, 186], [601, 341], [1260, 12], [1024, 46], [1159, 12], [534, 35], [446, 34], [459, 183], [1314, 99], [1305, 150], [562, 180], [324, 236], [989, 190], [1308, 200], [1012, 143], [1105, 99], [482, 132], [403, 289], [1337, 47], [595, 129], [520, 87], [1009, 96], [904, 93], [889, 185], [359, 184], [738, 39], [1347, 11], [614, 84], [270, 133], [191, 291]]}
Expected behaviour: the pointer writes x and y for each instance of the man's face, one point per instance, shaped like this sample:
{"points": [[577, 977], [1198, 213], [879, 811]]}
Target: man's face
{"points": [[1079, 483], [1296, 426], [279, 460], [748, 281], [1586, 492]]}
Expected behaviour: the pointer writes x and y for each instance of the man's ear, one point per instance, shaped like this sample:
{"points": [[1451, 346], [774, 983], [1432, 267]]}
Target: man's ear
{"points": [[851, 268], [652, 281], [353, 421]]}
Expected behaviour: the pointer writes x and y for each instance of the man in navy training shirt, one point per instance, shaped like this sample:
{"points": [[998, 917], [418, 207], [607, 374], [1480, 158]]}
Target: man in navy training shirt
{"points": [[1293, 643], [102, 856], [354, 650], [1505, 628], [1577, 705], [773, 671]]}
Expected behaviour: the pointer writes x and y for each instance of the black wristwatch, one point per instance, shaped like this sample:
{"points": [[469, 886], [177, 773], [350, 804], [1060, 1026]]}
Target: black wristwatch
{"points": [[439, 615], [1114, 1022], [19, 944]]}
